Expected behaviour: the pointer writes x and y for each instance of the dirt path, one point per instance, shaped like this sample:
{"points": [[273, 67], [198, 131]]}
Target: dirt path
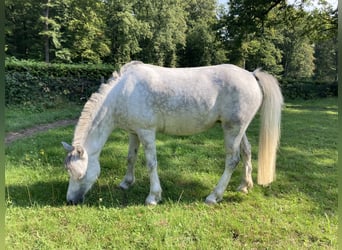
{"points": [[13, 136]]}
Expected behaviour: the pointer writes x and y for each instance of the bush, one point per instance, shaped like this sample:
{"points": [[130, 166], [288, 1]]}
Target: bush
{"points": [[308, 89], [34, 83]]}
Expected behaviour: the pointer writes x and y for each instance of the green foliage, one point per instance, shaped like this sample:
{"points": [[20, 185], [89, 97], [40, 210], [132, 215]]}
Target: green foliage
{"points": [[261, 52], [326, 60], [286, 39], [22, 29], [31, 83], [166, 21], [200, 49], [298, 51], [277, 36], [51, 31], [249, 36], [308, 89], [125, 31], [298, 211], [203, 45], [301, 63], [88, 41]]}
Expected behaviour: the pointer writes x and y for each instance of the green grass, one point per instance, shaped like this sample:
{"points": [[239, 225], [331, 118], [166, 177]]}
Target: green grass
{"points": [[298, 211], [17, 118]]}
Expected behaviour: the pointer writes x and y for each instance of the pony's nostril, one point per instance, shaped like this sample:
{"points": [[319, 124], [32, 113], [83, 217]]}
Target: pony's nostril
{"points": [[71, 203], [75, 202]]}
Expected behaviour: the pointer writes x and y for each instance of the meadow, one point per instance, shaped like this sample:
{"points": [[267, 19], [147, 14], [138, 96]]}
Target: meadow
{"points": [[297, 211]]}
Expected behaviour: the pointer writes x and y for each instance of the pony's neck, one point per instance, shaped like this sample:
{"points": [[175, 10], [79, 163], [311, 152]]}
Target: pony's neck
{"points": [[96, 121], [97, 134]]}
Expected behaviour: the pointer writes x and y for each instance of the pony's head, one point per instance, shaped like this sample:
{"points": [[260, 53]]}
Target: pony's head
{"points": [[83, 172]]}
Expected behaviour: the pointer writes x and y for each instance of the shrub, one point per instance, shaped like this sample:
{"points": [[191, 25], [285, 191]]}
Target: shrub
{"points": [[35, 83], [308, 89]]}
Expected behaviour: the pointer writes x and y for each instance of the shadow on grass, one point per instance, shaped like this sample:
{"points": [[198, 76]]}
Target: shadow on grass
{"points": [[177, 185], [297, 173], [50, 193], [53, 193]]}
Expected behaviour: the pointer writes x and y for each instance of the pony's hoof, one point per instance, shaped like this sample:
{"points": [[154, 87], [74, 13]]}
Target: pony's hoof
{"points": [[152, 200], [243, 189], [124, 185], [151, 203], [244, 186], [211, 200]]}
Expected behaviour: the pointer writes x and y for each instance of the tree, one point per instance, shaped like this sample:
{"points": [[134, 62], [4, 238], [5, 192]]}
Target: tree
{"points": [[166, 22], [297, 45], [275, 35], [203, 46], [51, 30], [85, 31], [124, 31], [303, 29], [285, 39], [244, 25], [299, 62], [21, 29], [262, 52], [326, 44], [326, 60], [249, 35]]}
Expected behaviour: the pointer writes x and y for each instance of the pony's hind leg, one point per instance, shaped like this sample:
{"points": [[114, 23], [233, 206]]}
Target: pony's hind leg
{"points": [[246, 154], [232, 139], [129, 178]]}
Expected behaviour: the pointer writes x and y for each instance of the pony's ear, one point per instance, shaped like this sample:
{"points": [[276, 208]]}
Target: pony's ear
{"points": [[67, 147]]}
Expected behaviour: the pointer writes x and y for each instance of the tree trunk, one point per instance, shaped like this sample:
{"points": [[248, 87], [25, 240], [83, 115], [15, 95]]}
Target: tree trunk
{"points": [[47, 39]]}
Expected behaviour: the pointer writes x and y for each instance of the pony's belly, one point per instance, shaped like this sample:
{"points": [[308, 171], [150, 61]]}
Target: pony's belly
{"points": [[185, 127]]}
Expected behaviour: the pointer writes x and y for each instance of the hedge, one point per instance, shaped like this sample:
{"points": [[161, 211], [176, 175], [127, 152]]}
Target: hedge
{"points": [[32, 83], [308, 89], [36, 83]]}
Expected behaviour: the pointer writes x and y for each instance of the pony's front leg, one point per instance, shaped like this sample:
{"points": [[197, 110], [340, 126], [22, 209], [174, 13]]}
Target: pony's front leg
{"points": [[147, 138], [246, 152], [129, 178]]}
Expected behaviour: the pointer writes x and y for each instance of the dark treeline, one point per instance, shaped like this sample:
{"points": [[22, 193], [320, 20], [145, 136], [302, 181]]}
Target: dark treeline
{"points": [[293, 41]]}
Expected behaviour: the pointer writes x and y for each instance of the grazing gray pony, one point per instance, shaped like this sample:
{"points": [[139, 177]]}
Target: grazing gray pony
{"points": [[145, 99]]}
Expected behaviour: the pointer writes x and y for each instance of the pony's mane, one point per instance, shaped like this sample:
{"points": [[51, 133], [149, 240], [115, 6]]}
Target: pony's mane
{"points": [[95, 102]]}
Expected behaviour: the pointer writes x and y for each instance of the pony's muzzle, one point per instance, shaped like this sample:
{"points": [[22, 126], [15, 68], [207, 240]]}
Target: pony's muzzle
{"points": [[75, 202], [78, 199]]}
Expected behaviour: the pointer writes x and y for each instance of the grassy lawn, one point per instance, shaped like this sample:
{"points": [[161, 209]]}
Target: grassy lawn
{"points": [[298, 211], [18, 118]]}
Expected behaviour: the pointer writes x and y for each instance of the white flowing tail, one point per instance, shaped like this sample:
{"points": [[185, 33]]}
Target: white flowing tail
{"points": [[270, 126]]}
